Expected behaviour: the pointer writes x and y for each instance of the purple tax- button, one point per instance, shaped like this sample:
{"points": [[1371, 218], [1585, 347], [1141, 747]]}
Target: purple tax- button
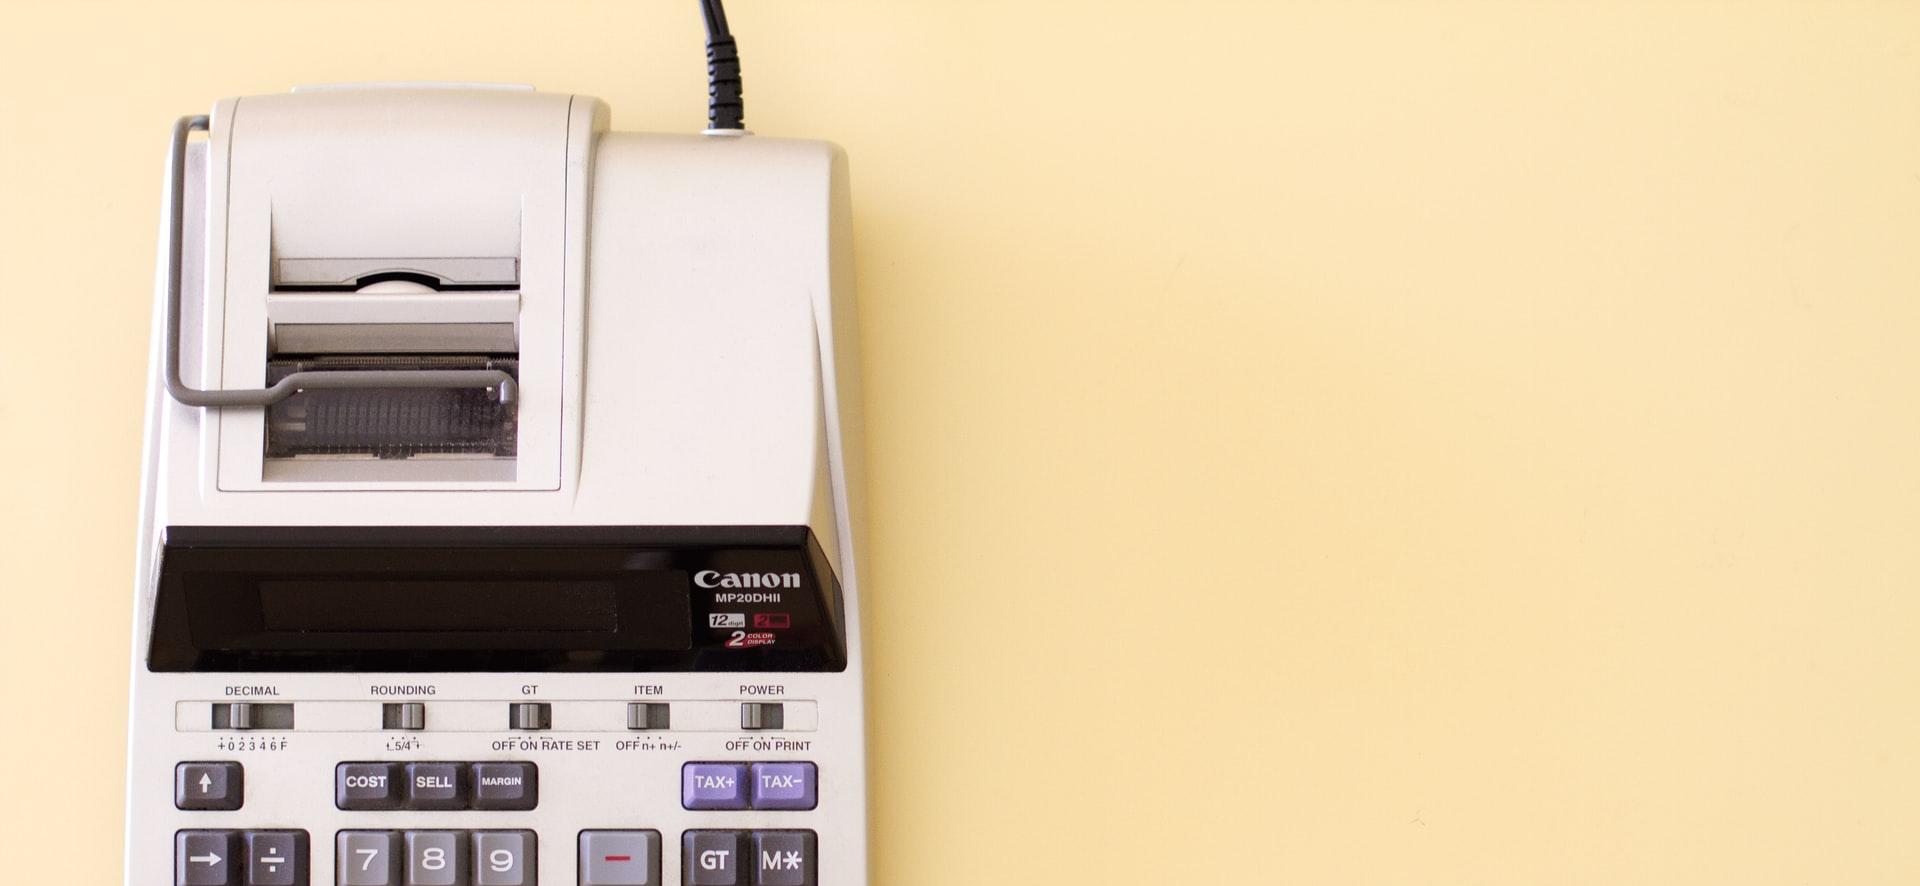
{"points": [[785, 786], [713, 786]]}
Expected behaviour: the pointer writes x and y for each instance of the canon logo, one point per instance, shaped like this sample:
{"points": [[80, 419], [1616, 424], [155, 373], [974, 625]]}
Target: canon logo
{"points": [[708, 578]]}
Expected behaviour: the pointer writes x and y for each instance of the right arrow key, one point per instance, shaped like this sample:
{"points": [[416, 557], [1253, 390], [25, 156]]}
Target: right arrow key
{"points": [[206, 858]]}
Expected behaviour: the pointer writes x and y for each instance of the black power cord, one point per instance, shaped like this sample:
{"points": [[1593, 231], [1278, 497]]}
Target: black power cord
{"points": [[725, 110]]}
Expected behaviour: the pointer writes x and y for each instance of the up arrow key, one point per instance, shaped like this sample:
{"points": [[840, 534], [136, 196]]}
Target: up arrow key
{"points": [[211, 785]]}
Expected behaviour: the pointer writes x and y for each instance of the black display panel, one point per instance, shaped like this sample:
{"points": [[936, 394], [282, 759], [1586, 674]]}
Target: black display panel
{"points": [[495, 599], [440, 605]]}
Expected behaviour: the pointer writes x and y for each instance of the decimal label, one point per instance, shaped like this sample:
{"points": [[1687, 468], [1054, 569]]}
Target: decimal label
{"points": [[251, 743]]}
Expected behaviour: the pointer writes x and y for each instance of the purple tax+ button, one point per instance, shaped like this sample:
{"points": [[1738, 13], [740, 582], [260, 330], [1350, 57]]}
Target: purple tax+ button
{"points": [[713, 786]]}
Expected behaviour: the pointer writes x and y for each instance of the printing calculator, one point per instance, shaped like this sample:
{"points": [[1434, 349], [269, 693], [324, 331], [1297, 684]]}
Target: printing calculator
{"points": [[502, 503]]}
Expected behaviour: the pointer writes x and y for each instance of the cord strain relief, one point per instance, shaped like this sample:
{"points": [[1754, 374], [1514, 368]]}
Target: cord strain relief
{"points": [[725, 110]]}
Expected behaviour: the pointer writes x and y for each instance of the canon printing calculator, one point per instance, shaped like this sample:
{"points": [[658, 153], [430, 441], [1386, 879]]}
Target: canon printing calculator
{"points": [[502, 503]]}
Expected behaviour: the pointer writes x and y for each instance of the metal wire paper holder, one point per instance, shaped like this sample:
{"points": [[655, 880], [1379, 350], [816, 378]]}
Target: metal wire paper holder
{"points": [[299, 381]]}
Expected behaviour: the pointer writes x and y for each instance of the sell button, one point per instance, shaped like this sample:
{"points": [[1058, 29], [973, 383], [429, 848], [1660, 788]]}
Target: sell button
{"points": [[436, 786]]}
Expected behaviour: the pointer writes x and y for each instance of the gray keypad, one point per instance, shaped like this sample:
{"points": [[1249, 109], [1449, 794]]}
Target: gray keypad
{"points": [[276, 858], [367, 858], [619, 858], [436, 858], [784, 858], [208, 786], [449, 857], [504, 858], [206, 858], [713, 858]]}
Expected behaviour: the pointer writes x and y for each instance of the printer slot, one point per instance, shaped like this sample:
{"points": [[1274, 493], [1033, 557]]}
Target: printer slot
{"points": [[441, 274], [394, 314]]}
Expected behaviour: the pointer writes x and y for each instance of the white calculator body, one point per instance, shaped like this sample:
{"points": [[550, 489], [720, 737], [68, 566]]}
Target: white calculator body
{"points": [[547, 574]]}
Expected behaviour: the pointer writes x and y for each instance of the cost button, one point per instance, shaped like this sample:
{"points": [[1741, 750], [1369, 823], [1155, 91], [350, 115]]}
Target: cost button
{"points": [[366, 786]]}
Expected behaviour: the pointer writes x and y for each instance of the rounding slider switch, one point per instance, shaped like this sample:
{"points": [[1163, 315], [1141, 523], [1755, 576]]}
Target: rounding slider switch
{"points": [[763, 715], [403, 715], [252, 715], [530, 715]]}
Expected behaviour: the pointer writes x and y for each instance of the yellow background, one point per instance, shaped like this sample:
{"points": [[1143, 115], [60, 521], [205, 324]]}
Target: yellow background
{"points": [[1382, 443]]}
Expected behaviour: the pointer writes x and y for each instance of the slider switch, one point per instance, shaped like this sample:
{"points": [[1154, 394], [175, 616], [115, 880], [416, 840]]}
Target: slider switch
{"points": [[252, 715], [408, 715], [530, 715], [763, 715], [649, 715]]}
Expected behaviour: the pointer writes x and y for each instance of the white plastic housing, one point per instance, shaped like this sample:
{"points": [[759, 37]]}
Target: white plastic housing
{"points": [[685, 326]]}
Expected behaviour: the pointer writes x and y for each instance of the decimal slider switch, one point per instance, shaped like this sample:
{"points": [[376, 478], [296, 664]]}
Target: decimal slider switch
{"points": [[252, 715]]}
